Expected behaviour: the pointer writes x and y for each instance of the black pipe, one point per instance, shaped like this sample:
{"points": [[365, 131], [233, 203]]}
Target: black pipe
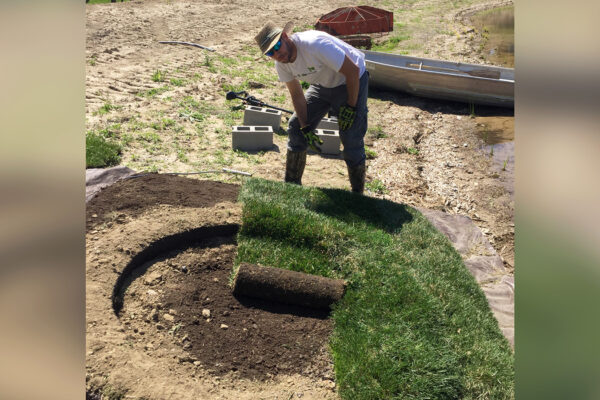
{"points": [[253, 101]]}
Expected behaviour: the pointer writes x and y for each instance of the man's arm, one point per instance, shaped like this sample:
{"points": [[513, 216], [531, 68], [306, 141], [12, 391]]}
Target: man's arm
{"points": [[350, 71], [298, 101]]}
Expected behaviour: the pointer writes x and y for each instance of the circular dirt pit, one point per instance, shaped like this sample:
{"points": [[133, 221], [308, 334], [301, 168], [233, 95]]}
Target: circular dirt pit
{"points": [[161, 318]]}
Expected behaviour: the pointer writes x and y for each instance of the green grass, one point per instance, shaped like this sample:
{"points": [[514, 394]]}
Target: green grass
{"points": [[370, 153], [391, 43], [413, 324], [106, 108], [376, 132], [100, 152], [158, 76], [376, 186]]}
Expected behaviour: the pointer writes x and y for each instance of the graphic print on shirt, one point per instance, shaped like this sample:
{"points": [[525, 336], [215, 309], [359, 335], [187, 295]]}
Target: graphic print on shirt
{"points": [[311, 70]]}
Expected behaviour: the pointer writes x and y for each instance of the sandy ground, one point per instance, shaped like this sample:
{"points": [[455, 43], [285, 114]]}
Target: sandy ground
{"points": [[427, 154]]}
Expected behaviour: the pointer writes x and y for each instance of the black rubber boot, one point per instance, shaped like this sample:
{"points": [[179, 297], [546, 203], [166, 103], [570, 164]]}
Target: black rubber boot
{"points": [[357, 177], [294, 166]]}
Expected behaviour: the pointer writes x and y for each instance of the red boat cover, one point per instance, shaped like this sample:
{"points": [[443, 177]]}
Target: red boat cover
{"points": [[355, 20]]}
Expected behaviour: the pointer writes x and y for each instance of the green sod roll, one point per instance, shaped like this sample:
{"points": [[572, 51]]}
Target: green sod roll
{"points": [[290, 287]]}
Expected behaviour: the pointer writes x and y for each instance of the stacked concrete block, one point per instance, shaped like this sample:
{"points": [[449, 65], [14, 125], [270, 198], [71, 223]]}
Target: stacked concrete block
{"points": [[261, 116], [328, 123], [252, 138], [331, 141]]}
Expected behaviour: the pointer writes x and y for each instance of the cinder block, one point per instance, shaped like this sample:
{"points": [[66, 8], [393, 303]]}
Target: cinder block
{"points": [[252, 138], [331, 141], [329, 123], [261, 116]]}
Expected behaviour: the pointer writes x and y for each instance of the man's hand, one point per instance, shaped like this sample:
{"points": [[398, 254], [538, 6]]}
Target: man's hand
{"points": [[346, 117], [311, 138]]}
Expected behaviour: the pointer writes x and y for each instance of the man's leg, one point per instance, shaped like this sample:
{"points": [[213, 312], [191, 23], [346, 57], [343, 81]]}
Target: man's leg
{"points": [[316, 108], [353, 138]]}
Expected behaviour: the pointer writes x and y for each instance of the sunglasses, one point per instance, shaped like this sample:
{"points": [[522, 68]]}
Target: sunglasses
{"points": [[274, 49]]}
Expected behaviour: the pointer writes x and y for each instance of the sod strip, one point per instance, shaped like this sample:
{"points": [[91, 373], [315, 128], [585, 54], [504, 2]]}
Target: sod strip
{"points": [[413, 322]]}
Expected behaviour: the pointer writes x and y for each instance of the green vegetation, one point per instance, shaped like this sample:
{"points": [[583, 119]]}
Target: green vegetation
{"points": [[113, 393], [154, 91], [376, 186], [391, 43], [177, 82], [100, 152], [158, 76], [107, 107], [413, 324], [412, 150], [376, 132], [305, 27], [162, 124], [371, 154]]}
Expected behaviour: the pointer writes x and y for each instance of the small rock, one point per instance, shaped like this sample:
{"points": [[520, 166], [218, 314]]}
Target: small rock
{"points": [[172, 311], [206, 313], [215, 279], [149, 346], [184, 359], [223, 326], [184, 269], [187, 346], [226, 313], [160, 327], [197, 363], [168, 317], [465, 145], [94, 215], [153, 278]]}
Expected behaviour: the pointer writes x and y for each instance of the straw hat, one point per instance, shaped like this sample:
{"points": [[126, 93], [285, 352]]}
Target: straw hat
{"points": [[270, 34]]}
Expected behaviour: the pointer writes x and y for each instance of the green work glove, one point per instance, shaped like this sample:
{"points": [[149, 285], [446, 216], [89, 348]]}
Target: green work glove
{"points": [[311, 138], [346, 117]]}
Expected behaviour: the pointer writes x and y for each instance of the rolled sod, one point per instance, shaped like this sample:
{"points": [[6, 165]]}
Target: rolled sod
{"points": [[290, 287]]}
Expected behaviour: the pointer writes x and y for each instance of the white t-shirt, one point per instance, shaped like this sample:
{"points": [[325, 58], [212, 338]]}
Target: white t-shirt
{"points": [[320, 56]]}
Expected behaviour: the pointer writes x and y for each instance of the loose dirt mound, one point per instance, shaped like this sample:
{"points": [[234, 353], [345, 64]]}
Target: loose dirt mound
{"points": [[180, 332]]}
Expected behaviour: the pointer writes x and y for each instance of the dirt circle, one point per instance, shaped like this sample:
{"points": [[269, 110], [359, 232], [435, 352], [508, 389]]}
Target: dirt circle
{"points": [[164, 247]]}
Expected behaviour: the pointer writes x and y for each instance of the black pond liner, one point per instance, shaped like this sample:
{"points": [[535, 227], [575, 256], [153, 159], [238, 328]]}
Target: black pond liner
{"points": [[180, 241]]}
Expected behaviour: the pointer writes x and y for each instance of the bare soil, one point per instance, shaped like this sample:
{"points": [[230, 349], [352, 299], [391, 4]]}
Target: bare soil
{"points": [[428, 154]]}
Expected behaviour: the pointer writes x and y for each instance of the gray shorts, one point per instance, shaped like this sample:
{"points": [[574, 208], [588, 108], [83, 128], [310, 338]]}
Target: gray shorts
{"points": [[319, 100]]}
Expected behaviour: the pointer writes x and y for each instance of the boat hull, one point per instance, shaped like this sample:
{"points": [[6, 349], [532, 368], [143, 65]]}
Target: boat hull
{"points": [[469, 83]]}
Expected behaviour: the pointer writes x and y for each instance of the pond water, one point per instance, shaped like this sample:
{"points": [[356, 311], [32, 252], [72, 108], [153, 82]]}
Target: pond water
{"points": [[497, 27], [497, 129]]}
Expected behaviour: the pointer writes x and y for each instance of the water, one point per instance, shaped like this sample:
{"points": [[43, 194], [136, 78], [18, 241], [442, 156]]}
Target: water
{"points": [[497, 26], [497, 129]]}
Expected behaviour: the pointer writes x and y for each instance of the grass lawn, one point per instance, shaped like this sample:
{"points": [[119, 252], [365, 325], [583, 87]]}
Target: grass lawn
{"points": [[413, 324], [100, 152]]}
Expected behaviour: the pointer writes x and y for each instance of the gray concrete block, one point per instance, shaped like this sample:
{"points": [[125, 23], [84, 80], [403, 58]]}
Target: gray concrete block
{"points": [[329, 123], [252, 138], [331, 141], [261, 116]]}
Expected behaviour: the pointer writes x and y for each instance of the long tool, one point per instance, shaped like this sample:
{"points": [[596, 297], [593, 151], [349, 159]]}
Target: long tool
{"points": [[476, 72], [253, 101], [188, 44]]}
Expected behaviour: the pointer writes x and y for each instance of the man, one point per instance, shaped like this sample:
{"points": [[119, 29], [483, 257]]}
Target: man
{"points": [[339, 81]]}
